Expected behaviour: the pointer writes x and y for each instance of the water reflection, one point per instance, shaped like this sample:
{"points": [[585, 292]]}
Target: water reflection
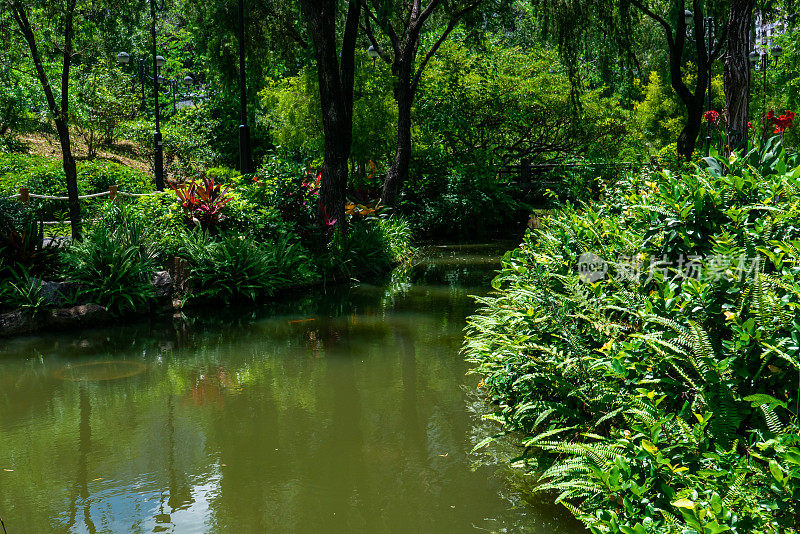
{"points": [[337, 414]]}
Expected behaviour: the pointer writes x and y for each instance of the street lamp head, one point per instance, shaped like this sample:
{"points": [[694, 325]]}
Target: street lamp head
{"points": [[754, 57], [160, 61], [777, 51], [188, 80], [372, 52], [123, 58], [688, 17]]}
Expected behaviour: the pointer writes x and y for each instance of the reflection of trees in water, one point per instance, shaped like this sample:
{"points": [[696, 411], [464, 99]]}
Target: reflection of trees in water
{"points": [[81, 489]]}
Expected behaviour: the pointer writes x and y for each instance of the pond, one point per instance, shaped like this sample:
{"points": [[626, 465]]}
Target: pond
{"points": [[341, 411]]}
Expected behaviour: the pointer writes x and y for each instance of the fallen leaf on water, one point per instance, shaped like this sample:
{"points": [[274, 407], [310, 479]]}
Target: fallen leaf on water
{"points": [[96, 479], [301, 320], [9, 470], [444, 455]]}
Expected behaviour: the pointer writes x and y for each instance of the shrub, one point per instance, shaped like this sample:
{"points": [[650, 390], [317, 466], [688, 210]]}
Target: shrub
{"points": [[115, 262], [22, 240], [646, 350], [203, 202], [469, 203], [18, 290], [233, 267]]}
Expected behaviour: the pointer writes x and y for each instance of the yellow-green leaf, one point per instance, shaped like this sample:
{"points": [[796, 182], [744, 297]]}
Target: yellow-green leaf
{"points": [[684, 503], [649, 447]]}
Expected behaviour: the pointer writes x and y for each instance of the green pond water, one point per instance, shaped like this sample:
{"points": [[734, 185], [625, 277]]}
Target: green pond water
{"points": [[346, 410]]}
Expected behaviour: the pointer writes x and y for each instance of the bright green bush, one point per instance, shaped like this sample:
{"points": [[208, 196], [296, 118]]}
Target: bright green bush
{"points": [[45, 176], [115, 262], [234, 267], [647, 347]]}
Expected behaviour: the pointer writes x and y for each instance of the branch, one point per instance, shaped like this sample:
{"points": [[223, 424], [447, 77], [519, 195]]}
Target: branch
{"points": [[450, 27], [658, 19]]}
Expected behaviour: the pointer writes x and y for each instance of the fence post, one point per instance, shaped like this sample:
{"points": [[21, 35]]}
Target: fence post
{"points": [[525, 171], [112, 192], [24, 195]]}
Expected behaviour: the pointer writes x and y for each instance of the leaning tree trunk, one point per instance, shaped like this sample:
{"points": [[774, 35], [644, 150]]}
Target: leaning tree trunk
{"points": [[71, 175], [60, 111], [737, 73]]}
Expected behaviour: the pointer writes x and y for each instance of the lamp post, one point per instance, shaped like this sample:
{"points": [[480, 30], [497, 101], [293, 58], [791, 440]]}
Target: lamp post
{"points": [[763, 55], [188, 81], [158, 62], [709, 24], [244, 129], [373, 53]]}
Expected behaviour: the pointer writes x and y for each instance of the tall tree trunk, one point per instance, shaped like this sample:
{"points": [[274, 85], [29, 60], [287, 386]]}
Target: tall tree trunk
{"points": [[336, 80], [737, 73], [60, 111], [407, 69], [687, 140], [398, 172]]}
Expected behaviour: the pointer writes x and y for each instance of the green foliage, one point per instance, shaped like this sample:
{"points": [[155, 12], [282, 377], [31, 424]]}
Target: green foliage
{"points": [[45, 176], [659, 116], [222, 175], [467, 203], [22, 241], [102, 100], [20, 291], [507, 104], [115, 262], [647, 349], [233, 267], [371, 246], [292, 111], [188, 140]]}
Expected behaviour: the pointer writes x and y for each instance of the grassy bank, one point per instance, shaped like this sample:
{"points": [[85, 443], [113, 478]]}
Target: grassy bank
{"points": [[235, 238]]}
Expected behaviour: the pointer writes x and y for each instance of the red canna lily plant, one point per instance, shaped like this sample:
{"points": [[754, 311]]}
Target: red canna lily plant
{"points": [[203, 201]]}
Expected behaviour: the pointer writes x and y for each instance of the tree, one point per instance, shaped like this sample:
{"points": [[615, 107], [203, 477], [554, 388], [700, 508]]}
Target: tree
{"points": [[737, 72], [336, 80], [404, 24], [58, 109], [623, 20]]}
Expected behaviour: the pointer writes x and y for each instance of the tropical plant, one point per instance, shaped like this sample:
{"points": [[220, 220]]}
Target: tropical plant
{"points": [[233, 267], [114, 263], [646, 348], [203, 201], [22, 240], [20, 291]]}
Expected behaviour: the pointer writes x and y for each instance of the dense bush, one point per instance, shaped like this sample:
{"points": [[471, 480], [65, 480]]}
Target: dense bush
{"points": [[115, 262], [45, 176], [21, 241], [233, 267], [646, 350]]}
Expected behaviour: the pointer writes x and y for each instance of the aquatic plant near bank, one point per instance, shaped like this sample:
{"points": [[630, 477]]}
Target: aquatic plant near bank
{"points": [[645, 351]]}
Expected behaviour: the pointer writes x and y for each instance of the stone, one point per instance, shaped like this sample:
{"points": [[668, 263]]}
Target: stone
{"points": [[85, 314], [58, 294], [15, 322], [162, 283]]}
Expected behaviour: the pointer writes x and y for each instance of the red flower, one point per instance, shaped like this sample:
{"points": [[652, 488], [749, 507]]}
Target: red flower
{"points": [[711, 116], [782, 123], [750, 125]]}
